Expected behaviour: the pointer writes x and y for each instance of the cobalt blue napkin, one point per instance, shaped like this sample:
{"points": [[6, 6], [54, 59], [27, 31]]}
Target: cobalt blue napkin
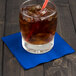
{"points": [[28, 60]]}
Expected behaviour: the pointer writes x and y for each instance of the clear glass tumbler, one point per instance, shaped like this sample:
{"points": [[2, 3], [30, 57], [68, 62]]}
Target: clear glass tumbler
{"points": [[37, 26]]}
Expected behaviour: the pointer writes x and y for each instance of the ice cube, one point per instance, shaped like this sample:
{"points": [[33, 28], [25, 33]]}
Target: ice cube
{"points": [[44, 11], [33, 9], [35, 15], [38, 7], [30, 13]]}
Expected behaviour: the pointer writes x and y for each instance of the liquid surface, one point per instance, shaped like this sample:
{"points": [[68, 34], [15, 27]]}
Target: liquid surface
{"points": [[38, 26]]}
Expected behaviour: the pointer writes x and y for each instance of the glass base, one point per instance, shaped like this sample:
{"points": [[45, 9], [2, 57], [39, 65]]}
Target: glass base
{"points": [[37, 49]]}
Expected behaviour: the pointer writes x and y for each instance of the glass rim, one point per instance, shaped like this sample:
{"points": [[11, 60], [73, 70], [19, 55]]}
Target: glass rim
{"points": [[34, 17]]}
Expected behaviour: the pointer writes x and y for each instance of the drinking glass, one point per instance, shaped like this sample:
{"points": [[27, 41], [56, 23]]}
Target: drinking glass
{"points": [[37, 26]]}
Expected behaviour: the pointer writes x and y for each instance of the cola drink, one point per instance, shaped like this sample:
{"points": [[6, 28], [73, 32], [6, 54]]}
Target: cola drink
{"points": [[37, 26]]}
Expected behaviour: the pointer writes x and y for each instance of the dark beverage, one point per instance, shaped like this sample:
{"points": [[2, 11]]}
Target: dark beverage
{"points": [[38, 26]]}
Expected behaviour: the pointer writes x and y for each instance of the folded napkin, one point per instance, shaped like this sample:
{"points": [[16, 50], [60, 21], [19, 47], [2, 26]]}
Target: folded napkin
{"points": [[29, 60]]}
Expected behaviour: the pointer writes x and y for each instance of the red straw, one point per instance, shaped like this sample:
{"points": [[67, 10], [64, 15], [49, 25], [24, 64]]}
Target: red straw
{"points": [[45, 4]]}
